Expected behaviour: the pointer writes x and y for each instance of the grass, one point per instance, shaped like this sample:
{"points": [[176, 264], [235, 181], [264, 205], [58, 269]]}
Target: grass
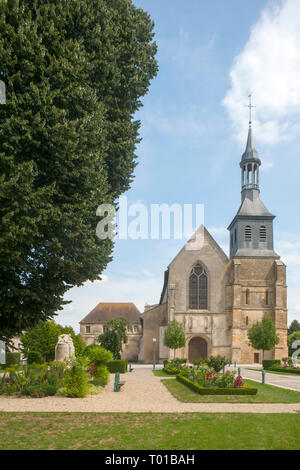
{"points": [[277, 372], [145, 431], [161, 373], [265, 394]]}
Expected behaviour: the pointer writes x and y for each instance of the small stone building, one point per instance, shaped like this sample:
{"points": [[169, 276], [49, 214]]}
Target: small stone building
{"points": [[94, 325]]}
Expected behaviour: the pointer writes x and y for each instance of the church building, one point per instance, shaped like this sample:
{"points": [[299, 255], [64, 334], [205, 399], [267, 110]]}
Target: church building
{"points": [[216, 298]]}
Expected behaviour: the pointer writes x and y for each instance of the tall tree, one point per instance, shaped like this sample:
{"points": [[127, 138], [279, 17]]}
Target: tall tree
{"points": [[74, 73], [174, 336], [262, 335], [294, 326]]}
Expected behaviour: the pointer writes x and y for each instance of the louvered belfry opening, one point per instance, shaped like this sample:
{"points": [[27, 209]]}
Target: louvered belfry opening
{"points": [[198, 288]]}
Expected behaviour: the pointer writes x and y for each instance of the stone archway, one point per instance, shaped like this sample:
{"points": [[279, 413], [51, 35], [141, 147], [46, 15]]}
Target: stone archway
{"points": [[197, 349]]}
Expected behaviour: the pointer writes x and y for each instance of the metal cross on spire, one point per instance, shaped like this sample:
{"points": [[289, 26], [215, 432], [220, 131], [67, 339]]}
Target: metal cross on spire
{"points": [[250, 106]]}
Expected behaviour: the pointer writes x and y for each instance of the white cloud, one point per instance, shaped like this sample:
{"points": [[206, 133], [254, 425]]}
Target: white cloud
{"points": [[269, 67]]}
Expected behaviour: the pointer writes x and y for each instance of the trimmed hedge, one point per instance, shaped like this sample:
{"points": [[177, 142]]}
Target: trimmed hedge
{"points": [[285, 370], [169, 372], [12, 358], [117, 365], [267, 363], [215, 391]]}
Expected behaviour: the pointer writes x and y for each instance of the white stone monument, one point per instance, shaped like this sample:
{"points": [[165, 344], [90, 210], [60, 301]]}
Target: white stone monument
{"points": [[64, 348]]}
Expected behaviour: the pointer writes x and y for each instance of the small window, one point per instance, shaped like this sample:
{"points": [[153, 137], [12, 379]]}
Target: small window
{"points": [[262, 233], [105, 329], [256, 358], [87, 329], [247, 297], [267, 297], [235, 236], [247, 320], [248, 233]]}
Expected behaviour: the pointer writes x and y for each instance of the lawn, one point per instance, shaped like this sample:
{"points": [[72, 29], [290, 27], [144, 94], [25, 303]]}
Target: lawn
{"points": [[161, 373], [145, 431], [280, 372], [265, 394]]}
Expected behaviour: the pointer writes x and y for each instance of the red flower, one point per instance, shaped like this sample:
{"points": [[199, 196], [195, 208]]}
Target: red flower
{"points": [[238, 382], [207, 375]]}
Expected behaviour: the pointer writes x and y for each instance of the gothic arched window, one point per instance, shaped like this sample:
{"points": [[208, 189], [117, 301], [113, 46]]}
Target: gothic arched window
{"points": [[198, 288]]}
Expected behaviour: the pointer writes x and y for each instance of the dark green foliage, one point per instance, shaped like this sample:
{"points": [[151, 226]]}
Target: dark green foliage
{"points": [[75, 72], [34, 357], [267, 363], [217, 362], [215, 391], [294, 326], [262, 335], [117, 365], [12, 358], [115, 336]]}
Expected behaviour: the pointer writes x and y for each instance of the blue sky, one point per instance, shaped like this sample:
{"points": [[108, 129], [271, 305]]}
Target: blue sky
{"points": [[194, 130]]}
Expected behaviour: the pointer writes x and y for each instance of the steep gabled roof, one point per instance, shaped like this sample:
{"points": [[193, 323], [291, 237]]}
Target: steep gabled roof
{"points": [[106, 311], [203, 230]]}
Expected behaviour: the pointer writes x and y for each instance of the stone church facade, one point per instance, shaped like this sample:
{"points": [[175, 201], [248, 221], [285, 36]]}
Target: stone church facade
{"points": [[216, 298]]}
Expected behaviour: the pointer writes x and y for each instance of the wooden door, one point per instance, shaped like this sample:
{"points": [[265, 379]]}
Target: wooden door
{"points": [[197, 349]]}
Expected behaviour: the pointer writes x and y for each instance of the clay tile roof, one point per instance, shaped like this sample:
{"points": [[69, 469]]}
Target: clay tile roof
{"points": [[104, 312]]}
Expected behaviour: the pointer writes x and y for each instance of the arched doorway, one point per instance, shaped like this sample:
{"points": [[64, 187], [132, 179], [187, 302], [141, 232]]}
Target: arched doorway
{"points": [[197, 349]]}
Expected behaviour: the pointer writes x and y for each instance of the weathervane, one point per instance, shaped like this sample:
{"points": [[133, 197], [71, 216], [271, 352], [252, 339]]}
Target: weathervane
{"points": [[250, 106]]}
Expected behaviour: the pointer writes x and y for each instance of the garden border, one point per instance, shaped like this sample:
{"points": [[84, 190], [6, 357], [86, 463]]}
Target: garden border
{"points": [[215, 391]]}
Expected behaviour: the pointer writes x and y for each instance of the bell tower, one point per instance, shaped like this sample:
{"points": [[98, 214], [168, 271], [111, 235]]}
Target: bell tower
{"points": [[251, 231], [256, 285]]}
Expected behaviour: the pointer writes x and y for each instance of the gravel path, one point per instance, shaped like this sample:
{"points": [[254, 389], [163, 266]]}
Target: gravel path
{"points": [[142, 392]]}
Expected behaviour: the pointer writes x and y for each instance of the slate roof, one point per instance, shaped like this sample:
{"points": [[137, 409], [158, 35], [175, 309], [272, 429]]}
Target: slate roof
{"points": [[105, 311]]}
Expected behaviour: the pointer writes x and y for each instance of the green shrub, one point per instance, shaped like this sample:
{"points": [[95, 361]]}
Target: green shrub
{"points": [[200, 362], [12, 358], [39, 391], [216, 391], [101, 373], [34, 357], [217, 362], [97, 354], [117, 365], [76, 379], [267, 363]]}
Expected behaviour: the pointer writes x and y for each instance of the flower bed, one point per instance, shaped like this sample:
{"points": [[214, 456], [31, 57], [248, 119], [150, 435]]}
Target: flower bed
{"points": [[215, 390]]}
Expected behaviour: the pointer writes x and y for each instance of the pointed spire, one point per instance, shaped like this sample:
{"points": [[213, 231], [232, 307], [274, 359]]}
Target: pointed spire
{"points": [[250, 152]]}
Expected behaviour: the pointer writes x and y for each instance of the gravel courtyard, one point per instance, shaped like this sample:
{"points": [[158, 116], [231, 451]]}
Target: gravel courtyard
{"points": [[142, 392]]}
